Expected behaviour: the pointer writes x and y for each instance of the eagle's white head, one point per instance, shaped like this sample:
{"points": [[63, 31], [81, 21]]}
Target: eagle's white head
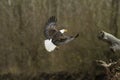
{"points": [[63, 30]]}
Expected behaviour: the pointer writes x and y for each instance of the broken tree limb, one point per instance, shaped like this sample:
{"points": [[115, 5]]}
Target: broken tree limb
{"points": [[110, 39]]}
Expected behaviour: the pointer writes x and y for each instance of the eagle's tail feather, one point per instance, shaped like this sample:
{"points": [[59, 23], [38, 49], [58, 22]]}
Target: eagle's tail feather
{"points": [[49, 46]]}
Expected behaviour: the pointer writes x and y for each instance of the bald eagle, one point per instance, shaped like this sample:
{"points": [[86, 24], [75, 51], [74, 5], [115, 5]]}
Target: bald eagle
{"points": [[55, 37], [110, 39]]}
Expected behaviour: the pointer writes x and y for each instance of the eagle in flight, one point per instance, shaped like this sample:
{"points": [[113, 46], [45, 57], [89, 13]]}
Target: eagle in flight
{"points": [[55, 37]]}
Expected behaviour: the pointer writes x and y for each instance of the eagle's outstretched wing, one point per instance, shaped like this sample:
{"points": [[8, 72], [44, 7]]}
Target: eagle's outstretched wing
{"points": [[50, 27], [60, 40]]}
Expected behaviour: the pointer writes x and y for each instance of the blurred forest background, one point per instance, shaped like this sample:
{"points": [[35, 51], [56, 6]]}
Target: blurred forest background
{"points": [[21, 34]]}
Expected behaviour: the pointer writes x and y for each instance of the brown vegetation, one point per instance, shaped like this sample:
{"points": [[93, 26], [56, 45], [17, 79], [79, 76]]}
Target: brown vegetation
{"points": [[21, 35]]}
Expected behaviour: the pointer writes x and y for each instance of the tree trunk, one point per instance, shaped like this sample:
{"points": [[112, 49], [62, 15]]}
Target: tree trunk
{"points": [[114, 17]]}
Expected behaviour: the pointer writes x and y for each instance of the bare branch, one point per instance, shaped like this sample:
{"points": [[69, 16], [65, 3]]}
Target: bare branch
{"points": [[104, 64]]}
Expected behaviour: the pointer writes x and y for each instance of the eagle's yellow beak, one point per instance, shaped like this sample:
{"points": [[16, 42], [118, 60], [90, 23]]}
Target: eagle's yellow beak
{"points": [[65, 30]]}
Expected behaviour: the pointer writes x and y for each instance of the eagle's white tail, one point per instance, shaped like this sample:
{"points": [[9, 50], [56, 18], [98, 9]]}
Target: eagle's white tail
{"points": [[49, 46]]}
